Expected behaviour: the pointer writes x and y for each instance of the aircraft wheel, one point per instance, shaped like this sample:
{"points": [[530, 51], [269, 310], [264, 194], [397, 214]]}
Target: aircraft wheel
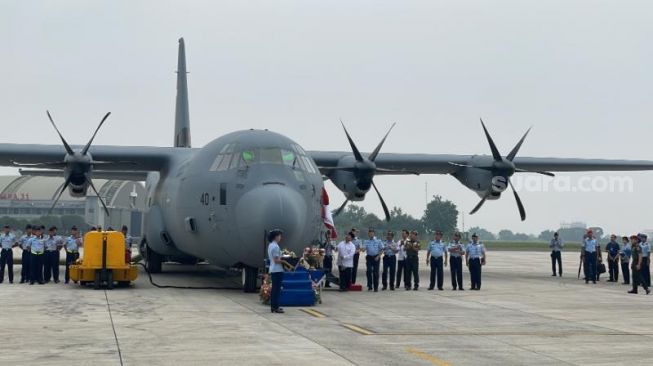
{"points": [[250, 279], [153, 261], [98, 282], [110, 280]]}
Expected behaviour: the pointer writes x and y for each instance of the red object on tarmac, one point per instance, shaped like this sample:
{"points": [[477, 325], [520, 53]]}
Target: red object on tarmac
{"points": [[355, 287]]}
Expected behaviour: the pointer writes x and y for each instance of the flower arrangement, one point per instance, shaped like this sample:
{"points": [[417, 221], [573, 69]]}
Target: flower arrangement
{"points": [[288, 253], [266, 290], [312, 258]]}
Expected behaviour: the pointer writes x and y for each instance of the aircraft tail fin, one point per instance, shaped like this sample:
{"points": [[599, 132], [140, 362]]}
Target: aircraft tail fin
{"points": [[182, 118]]}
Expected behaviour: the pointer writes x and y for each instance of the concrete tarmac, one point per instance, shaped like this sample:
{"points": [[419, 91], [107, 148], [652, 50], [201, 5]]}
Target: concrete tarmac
{"points": [[521, 316]]}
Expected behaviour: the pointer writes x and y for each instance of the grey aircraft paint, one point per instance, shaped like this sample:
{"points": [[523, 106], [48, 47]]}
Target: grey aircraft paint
{"points": [[217, 202]]}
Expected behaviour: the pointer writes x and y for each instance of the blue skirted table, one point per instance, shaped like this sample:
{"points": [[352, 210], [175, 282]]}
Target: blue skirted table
{"points": [[297, 288]]}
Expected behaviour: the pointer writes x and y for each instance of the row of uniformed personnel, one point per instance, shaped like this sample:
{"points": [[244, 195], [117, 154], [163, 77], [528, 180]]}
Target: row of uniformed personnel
{"points": [[633, 256], [401, 258], [41, 253]]}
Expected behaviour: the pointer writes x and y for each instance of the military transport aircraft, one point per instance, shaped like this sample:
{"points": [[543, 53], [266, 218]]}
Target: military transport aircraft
{"points": [[217, 202]]}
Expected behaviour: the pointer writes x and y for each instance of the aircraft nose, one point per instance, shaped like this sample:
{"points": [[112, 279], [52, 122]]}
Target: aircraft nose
{"points": [[270, 206]]}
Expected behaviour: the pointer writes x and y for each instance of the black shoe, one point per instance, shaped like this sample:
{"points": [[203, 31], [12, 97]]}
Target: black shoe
{"points": [[31, 283], [415, 288], [430, 288], [454, 289], [407, 288], [369, 289], [440, 288], [648, 291], [325, 286], [461, 289], [376, 290], [632, 292], [553, 275], [384, 288], [278, 311], [56, 281], [22, 281], [12, 282], [594, 282], [560, 274], [41, 283], [610, 281], [392, 288], [586, 282]]}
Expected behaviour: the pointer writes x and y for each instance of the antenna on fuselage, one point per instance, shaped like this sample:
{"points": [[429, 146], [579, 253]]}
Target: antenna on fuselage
{"points": [[182, 118]]}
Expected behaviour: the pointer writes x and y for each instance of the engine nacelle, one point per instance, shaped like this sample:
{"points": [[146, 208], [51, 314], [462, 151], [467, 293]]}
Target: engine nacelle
{"points": [[347, 183], [482, 181]]}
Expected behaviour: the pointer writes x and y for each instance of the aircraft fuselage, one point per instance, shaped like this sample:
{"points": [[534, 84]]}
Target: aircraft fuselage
{"points": [[219, 202]]}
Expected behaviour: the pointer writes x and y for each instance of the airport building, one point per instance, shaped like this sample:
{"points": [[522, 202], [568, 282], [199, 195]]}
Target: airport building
{"points": [[28, 197]]}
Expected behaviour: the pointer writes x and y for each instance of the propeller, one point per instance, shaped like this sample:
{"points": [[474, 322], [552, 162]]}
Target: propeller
{"points": [[61, 190], [104, 205], [503, 167], [79, 160], [365, 168]]}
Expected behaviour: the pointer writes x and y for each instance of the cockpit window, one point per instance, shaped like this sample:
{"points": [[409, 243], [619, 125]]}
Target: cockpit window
{"points": [[248, 156], [294, 158]]}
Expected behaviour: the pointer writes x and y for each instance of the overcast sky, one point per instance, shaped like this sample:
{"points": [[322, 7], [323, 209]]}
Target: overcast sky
{"points": [[579, 72]]}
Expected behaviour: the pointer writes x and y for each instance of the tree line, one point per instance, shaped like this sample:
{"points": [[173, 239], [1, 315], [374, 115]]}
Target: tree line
{"points": [[442, 214], [439, 213]]}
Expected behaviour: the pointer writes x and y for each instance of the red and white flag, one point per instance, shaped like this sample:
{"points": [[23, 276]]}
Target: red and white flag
{"points": [[326, 214]]}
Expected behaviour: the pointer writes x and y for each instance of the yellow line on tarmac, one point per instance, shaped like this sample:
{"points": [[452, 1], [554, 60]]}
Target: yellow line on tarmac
{"points": [[358, 329], [314, 313], [426, 357]]}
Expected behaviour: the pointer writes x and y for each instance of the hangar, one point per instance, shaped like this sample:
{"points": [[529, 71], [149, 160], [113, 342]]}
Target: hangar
{"points": [[32, 196]]}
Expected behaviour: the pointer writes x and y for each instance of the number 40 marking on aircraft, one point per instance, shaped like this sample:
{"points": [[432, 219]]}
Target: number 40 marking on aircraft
{"points": [[204, 199]]}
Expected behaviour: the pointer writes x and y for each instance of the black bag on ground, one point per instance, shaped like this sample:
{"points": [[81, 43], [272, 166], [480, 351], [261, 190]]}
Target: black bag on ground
{"points": [[601, 267]]}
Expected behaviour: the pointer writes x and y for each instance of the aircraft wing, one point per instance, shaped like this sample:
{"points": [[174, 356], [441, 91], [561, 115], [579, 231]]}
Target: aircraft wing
{"points": [[106, 158], [397, 163], [99, 174]]}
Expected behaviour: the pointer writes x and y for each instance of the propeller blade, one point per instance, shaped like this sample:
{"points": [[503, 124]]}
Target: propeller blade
{"points": [[88, 145], [342, 207], [63, 188], [495, 152], [515, 150], [357, 154], [90, 183], [478, 206], [549, 174], [374, 153], [522, 211], [69, 150], [385, 207]]}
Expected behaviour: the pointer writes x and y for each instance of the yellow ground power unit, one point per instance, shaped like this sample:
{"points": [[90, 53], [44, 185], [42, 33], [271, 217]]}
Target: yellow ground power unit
{"points": [[103, 261]]}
